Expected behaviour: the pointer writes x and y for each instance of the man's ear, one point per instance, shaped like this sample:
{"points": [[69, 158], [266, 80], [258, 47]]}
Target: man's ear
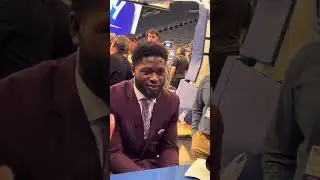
{"points": [[74, 21]]}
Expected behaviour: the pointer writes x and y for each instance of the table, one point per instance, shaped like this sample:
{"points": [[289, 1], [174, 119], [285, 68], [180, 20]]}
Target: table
{"points": [[169, 173], [184, 130]]}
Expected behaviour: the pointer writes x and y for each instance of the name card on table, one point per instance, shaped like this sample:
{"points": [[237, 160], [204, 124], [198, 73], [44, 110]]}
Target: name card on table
{"points": [[198, 170]]}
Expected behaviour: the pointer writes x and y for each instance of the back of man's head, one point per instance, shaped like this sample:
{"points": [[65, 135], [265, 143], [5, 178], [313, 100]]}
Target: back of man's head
{"points": [[132, 37], [121, 43]]}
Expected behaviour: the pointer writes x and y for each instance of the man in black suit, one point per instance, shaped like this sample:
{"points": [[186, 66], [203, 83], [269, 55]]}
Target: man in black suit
{"points": [[53, 115], [120, 67], [32, 31]]}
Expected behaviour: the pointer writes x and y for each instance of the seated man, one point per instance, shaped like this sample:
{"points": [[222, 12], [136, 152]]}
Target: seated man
{"points": [[146, 115], [201, 121]]}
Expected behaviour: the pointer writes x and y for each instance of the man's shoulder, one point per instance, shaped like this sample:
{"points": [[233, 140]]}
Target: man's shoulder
{"points": [[26, 91], [30, 80], [120, 87], [118, 95]]}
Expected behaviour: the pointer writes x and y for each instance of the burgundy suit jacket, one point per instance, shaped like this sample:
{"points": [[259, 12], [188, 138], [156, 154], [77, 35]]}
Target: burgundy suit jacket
{"points": [[44, 132], [129, 151]]}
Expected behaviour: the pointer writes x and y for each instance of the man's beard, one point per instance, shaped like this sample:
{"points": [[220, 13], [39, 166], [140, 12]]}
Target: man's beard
{"points": [[152, 95]]}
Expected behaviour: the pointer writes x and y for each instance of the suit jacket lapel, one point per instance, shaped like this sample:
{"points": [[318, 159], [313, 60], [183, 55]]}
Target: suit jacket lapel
{"points": [[79, 149]]}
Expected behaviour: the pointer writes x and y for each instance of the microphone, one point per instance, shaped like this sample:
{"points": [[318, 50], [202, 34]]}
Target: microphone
{"points": [[6, 173]]}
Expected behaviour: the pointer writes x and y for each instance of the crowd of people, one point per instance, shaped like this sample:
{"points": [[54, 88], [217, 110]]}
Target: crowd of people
{"points": [[122, 46]]}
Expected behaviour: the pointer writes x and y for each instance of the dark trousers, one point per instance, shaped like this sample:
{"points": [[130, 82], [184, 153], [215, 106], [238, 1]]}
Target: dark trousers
{"points": [[216, 65]]}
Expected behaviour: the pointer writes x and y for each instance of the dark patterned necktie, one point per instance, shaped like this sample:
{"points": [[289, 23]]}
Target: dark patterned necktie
{"points": [[146, 115]]}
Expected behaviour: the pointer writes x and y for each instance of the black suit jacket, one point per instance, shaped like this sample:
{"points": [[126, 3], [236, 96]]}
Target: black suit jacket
{"points": [[44, 132], [120, 69]]}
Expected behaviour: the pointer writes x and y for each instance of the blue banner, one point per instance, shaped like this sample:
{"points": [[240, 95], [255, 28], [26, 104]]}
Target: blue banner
{"points": [[124, 17], [198, 46]]}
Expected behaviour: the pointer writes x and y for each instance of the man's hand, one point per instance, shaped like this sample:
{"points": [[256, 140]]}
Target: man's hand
{"points": [[112, 124], [6, 173]]}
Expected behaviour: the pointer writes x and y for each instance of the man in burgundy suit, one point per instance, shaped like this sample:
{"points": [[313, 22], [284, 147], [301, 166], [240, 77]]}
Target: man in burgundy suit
{"points": [[53, 115], [146, 115]]}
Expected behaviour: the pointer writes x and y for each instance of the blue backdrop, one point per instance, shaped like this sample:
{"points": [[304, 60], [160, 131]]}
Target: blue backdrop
{"points": [[123, 17], [198, 45]]}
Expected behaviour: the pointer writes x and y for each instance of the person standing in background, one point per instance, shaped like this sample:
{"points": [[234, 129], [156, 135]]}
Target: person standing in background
{"points": [[231, 19], [179, 67], [32, 31], [293, 140], [132, 44], [207, 126], [120, 46], [200, 147], [120, 67], [153, 35]]}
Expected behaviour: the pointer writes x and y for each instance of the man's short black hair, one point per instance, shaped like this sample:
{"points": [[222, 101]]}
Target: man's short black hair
{"points": [[147, 49]]}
